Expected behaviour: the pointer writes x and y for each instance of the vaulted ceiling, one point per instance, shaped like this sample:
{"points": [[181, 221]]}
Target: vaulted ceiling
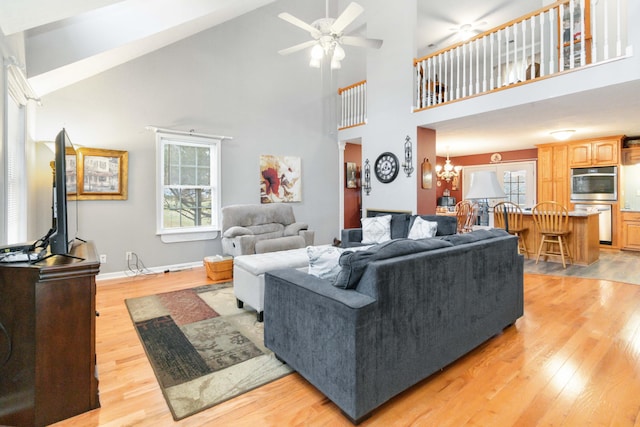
{"points": [[69, 41]]}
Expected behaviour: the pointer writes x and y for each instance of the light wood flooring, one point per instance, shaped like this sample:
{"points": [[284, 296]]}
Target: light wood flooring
{"points": [[573, 359]]}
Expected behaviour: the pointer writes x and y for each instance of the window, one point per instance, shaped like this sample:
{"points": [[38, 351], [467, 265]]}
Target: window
{"points": [[188, 187], [517, 179], [13, 149]]}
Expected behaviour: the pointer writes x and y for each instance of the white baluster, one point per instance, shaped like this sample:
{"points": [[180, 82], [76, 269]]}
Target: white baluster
{"points": [[484, 63], [619, 27], [552, 57], [477, 44], [542, 61], [492, 81]]}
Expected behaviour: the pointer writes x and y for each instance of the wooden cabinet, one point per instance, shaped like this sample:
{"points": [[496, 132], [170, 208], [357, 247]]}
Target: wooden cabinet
{"points": [[631, 230], [553, 173], [48, 311], [631, 156], [602, 152]]}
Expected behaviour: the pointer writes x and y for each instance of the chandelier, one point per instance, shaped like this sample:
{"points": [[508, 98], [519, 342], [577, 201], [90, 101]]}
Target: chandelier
{"points": [[448, 172]]}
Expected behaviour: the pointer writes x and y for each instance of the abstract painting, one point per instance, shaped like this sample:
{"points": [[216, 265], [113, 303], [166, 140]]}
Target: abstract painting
{"points": [[280, 179]]}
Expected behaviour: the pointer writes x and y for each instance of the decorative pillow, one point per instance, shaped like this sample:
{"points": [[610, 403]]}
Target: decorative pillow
{"points": [[376, 229], [422, 229], [323, 261]]}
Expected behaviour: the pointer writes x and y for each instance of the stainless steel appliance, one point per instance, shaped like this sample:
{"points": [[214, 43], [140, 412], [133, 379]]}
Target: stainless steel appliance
{"points": [[594, 184], [604, 220]]}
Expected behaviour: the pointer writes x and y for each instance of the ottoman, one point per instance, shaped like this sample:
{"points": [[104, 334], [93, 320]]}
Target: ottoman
{"points": [[248, 274]]}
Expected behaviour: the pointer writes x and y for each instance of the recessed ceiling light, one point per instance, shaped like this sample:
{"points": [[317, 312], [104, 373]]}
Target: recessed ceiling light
{"points": [[562, 135]]}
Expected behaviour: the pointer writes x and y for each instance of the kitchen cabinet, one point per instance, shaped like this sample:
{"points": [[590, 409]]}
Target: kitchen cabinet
{"points": [[631, 156], [600, 152], [553, 173], [630, 230]]}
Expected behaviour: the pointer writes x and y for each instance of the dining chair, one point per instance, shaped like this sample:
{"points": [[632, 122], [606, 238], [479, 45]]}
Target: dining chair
{"points": [[508, 215], [466, 213], [551, 220]]}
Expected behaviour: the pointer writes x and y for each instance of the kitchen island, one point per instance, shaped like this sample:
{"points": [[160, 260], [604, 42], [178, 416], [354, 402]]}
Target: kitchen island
{"points": [[583, 240]]}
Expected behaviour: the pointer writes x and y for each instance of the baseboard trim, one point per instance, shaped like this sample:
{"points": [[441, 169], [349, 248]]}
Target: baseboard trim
{"points": [[150, 271]]}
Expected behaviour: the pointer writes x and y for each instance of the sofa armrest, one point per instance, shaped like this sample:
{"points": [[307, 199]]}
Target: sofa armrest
{"points": [[295, 228], [240, 245], [308, 236], [351, 237]]}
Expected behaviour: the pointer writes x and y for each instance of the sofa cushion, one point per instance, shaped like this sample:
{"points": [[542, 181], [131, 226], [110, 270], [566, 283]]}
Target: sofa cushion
{"points": [[353, 264], [422, 229], [270, 228], [446, 224], [474, 236], [376, 229], [280, 244]]}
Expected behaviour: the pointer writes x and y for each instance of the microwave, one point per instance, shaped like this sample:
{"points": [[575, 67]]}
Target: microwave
{"points": [[594, 184]]}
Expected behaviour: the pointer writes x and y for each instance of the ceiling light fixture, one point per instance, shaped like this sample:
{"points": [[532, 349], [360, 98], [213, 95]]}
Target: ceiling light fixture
{"points": [[562, 135], [448, 172]]}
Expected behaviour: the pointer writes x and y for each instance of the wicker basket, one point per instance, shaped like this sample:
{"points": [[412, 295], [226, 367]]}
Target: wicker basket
{"points": [[219, 268]]}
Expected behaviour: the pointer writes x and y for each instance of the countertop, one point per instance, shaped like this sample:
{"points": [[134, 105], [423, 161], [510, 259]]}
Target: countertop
{"points": [[571, 213], [630, 210]]}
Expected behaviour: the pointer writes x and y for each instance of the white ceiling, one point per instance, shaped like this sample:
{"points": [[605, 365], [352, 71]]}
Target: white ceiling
{"points": [[107, 33]]}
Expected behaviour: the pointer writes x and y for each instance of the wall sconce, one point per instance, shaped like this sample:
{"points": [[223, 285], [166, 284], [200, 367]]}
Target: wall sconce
{"points": [[367, 177], [427, 174], [408, 157]]}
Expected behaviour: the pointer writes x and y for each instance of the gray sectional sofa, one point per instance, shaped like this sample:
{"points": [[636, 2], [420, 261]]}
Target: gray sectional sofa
{"points": [[411, 308]]}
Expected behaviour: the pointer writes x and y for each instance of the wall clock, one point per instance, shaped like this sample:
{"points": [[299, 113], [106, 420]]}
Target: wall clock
{"points": [[496, 157], [386, 167]]}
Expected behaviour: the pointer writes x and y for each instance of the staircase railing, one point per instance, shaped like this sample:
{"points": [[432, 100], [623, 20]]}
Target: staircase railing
{"points": [[353, 105], [560, 37]]}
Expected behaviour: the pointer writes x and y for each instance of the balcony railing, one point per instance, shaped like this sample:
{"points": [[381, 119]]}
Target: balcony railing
{"points": [[560, 37], [353, 105], [549, 41]]}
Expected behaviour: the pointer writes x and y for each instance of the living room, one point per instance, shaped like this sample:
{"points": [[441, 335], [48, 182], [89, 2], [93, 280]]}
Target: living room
{"points": [[228, 80]]}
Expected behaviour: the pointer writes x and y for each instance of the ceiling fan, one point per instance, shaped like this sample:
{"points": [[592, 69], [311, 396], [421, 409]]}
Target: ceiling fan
{"points": [[328, 36]]}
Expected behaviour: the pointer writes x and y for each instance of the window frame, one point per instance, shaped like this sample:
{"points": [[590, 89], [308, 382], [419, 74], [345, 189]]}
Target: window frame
{"points": [[182, 234], [499, 169]]}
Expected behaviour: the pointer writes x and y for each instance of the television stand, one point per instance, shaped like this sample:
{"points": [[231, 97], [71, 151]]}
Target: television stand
{"points": [[47, 347]]}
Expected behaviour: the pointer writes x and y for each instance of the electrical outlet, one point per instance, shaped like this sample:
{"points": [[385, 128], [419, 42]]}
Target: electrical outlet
{"points": [[128, 255], [103, 259]]}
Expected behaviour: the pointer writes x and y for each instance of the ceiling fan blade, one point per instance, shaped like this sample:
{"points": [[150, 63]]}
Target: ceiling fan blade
{"points": [[299, 23], [361, 42], [347, 17], [297, 47]]}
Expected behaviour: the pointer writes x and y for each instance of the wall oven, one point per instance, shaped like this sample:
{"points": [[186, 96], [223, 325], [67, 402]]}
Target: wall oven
{"points": [[594, 184]]}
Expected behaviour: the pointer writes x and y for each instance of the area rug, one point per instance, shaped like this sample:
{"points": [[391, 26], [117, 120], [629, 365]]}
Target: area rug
{"points": [[203, 349]]}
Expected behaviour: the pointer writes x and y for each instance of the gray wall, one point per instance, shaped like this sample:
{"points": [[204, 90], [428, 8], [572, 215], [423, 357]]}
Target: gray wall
{"points": [[228, 80]]}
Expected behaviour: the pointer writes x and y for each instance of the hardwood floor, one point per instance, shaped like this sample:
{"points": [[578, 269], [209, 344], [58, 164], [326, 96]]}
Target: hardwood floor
{"points": [[573, 359]]}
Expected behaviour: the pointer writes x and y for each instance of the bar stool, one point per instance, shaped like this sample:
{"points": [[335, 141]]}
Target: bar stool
{"points": [[508, 215], [552, 222]]}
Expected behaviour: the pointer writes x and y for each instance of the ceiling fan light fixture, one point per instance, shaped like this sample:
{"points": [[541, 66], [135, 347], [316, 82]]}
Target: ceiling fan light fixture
{"points": [[317, 52], [338, 53], [335, 64], [314, 63]]}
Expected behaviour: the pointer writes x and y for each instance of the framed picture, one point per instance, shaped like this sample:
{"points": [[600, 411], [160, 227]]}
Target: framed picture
{"points": [[351, 175], [280, 179], [102, 174]]}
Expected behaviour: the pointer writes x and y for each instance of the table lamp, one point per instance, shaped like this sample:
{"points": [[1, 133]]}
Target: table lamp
{"points": [[484, 186]]}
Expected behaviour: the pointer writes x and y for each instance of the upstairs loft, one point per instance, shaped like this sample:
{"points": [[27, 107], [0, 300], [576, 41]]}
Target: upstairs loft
{"points": [[566, 47]]}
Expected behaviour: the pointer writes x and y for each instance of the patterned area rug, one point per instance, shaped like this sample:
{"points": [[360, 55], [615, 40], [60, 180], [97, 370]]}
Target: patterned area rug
{"points": [[203, 349]]}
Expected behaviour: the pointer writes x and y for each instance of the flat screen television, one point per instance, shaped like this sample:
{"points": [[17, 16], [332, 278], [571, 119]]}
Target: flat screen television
{"points": [[59, 242]]}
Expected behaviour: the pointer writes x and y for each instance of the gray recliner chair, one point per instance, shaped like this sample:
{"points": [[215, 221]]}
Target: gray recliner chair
{"points": [[254, 229]]}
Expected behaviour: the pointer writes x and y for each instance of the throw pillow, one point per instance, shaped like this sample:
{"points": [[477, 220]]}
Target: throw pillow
{"points": [[323, 261], [376, 229], [422, 229]]}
